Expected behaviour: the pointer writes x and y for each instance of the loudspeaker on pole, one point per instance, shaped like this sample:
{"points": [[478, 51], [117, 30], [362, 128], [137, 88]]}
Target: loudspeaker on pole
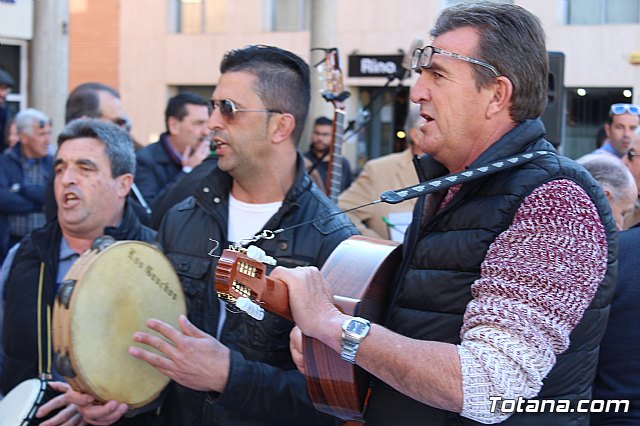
{"points": [[554, 117]]}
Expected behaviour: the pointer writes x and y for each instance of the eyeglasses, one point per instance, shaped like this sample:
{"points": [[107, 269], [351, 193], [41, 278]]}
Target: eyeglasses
{"points": [[631, 154], [617, 109], [423, 57], [228, 108]]}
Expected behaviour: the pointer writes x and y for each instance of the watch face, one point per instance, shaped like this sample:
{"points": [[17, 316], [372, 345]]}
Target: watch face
{"points": [[356, 327]]}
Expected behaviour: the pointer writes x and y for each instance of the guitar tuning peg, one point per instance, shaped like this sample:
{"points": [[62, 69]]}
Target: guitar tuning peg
{"points": [[257, 254], [251, 308]]}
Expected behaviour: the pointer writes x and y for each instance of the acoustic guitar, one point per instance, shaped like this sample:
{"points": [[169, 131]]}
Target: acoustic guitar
{"points": [[334, 93], [359, 271]]}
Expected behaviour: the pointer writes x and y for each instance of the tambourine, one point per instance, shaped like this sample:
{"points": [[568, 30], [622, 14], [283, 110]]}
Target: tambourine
{"points": [[108, 294], [19, 407]]}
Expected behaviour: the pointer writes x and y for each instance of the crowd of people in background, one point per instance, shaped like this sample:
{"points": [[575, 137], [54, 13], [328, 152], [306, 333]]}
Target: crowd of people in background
{"points": [[477, 290]]}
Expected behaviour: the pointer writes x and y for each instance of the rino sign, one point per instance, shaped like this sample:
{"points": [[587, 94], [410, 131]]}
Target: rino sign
{"points": [[374, 65]]}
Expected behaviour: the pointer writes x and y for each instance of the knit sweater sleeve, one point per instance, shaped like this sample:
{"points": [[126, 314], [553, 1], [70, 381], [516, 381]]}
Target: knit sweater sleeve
{"points": [[537, 279]]}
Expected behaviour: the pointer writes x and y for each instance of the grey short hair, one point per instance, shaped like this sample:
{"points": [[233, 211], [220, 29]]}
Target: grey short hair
{"points": [[512, 40], [610, 172], [117, 142], [28, 119]]}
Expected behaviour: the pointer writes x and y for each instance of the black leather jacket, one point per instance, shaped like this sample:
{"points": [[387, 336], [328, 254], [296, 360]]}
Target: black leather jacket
{"points": [[263, 387]]}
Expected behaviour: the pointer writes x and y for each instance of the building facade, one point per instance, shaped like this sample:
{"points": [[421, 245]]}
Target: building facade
{"points": [[153, 49]]}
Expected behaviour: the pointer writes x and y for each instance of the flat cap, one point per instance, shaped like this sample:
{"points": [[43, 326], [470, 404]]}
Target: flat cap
{"points": [[6, 79]]}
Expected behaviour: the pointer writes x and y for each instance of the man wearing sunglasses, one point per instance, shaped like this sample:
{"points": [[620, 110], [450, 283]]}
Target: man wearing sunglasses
{"points": [[227, 367], [503, 290], [621, 126]]}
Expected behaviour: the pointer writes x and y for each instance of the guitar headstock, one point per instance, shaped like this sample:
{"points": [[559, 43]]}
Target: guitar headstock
{"points": [[332, 77], [237, 275], [240, 279]]}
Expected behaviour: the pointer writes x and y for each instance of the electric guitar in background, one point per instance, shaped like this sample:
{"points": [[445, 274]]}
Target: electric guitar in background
{"points": [[333, 91], [359, 271]]}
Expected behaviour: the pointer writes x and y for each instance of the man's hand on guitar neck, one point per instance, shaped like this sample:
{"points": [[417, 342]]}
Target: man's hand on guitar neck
{"points": [[311, 302]]}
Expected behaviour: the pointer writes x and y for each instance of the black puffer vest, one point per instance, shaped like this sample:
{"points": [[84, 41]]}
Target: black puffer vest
{"points": [[443, 259]]}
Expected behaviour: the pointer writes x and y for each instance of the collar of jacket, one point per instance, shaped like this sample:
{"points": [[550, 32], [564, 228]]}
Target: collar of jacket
{"points": [[217, 185], [46, 240], [129, 224], [172, 155], [16, 153], [42, 237]]}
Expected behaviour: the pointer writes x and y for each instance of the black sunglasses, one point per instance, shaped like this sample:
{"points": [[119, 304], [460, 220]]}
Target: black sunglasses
{"points": [[43, 123], [631, 154], [228, 108]]}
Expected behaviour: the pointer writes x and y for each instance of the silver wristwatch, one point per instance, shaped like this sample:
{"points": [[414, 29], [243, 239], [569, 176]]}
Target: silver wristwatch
{"points": [[354, 330]]}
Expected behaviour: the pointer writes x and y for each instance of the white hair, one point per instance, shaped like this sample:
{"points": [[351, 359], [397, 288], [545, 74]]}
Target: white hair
{"points": [[610, 172], [28, 119]]}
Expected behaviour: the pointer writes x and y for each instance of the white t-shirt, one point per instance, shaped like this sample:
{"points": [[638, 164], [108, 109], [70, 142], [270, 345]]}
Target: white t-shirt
{"points": [[246, 219]]}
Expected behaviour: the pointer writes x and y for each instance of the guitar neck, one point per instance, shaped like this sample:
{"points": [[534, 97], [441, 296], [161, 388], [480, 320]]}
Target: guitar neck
{"points": [[334, 172], [275, 299]]}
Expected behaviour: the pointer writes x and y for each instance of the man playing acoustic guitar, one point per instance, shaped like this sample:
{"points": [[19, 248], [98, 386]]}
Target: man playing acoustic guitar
{"points": [[505, 284]]}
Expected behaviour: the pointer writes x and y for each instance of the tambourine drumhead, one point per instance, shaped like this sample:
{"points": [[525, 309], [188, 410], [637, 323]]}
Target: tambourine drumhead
{"points": [[117, 290], [18, 405]]}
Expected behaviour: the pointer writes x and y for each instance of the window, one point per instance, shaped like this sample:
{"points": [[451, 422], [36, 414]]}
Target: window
{"points": [[13, 60], [596, 12], [288, 15], [204, 91], [200, 16]]}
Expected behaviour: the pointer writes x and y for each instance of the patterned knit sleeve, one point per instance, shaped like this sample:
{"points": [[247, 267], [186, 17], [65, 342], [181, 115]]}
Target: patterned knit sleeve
{"points": [[537, 279]]}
